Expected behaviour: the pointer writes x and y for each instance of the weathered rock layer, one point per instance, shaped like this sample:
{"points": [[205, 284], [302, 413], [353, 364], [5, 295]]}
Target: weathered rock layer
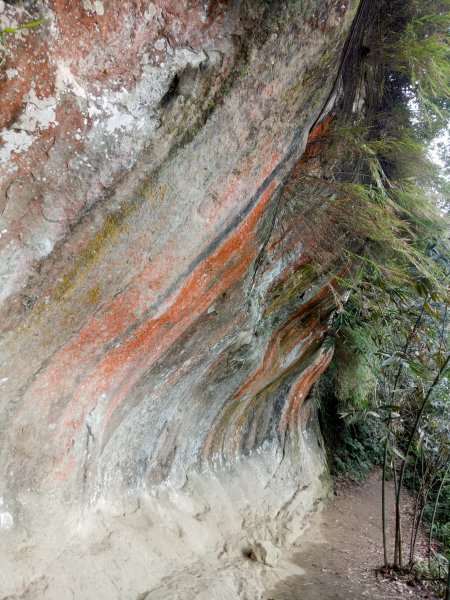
{"points": [[160, 314]]}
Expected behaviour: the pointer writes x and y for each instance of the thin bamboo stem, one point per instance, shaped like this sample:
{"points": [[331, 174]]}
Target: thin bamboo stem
{"points": [[436, 502], [405, 460], [383, 500]]}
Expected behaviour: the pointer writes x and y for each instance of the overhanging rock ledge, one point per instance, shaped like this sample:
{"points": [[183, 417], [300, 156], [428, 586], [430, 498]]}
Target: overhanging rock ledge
{"points": [[161, 322]]}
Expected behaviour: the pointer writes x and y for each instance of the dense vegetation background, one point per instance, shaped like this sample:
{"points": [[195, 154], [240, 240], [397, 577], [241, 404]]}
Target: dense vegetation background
{"points": [[385, 398]]}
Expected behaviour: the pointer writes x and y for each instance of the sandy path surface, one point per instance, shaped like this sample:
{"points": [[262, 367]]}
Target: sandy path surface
{"points": [[138, 556], [340, 550]]}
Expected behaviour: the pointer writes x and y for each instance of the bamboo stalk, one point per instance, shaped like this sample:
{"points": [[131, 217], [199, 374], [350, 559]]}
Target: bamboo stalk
{"points": [[405, 460], [436, 502], [383, 500]]}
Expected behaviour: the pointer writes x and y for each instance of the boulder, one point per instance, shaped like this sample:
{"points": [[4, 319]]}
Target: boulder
{"points": [[264, 551]]}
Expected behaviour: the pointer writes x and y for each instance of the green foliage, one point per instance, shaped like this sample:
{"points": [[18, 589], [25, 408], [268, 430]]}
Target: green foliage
{"points": [[347, 393], [356, 378], [354, 447], [387, 198], [421, 54], [430, 463], [30, 25], [7, 31]]}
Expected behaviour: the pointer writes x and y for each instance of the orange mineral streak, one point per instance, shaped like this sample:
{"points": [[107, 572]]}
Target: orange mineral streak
{"points": [[281, 366], [274, 365], [320, 129], [300, 391], [25, 53], [316, 144], [60, 379], [283, 341], [124, 365]]}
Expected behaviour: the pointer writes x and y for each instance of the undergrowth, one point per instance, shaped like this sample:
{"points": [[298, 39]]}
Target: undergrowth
{"points": [[355, 443], [387, 201]]}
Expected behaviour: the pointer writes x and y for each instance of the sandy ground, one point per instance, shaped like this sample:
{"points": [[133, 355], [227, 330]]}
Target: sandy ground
{"points": [[185, 543], [195, 544], [335, 558], [340, 550]]}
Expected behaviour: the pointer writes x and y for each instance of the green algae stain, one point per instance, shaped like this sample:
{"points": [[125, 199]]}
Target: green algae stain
{"points": [[93, 295], [113, 226], [155, 196], [289, 290], [76, 278]]}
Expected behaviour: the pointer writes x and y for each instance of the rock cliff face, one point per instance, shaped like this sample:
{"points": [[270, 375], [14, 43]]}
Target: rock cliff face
{"points": [[162, 321]]}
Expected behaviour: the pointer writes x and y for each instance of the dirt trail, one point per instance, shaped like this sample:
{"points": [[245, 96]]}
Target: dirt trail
{"points": [[341, 549]]}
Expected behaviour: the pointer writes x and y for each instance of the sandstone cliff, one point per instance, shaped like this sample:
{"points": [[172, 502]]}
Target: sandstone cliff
{"points": [[162, 318]]}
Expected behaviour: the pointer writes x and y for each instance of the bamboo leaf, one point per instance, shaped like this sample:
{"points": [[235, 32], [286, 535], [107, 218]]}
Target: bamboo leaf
{"points": [[432, 311], [398, 453], [392, 360], [33, 24], [418, 369], [373, 414]]}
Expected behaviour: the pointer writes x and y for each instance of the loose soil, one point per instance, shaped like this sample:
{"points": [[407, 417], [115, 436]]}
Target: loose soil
{"points": [[342, 548]]}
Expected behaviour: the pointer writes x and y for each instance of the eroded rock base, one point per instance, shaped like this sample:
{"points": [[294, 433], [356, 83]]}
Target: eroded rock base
{"points": [[193, 542]]}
